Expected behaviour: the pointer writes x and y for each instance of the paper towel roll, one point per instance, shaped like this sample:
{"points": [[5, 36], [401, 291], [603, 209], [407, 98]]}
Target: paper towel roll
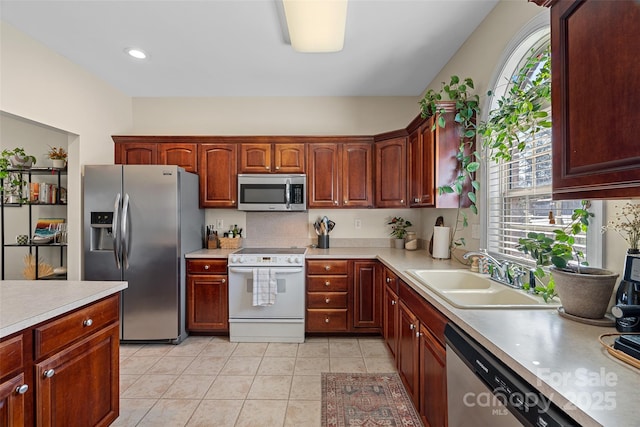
{"points": [[441, 242]]}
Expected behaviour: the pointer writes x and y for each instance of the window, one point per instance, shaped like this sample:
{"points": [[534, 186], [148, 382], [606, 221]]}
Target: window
{"points": [[519, 190]]}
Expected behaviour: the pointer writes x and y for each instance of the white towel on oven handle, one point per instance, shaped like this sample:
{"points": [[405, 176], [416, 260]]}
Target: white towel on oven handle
{"points": [[265, 286]]}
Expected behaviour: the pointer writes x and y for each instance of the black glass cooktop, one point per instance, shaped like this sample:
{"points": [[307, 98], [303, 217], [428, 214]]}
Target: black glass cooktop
{"points": [[271, 251]]}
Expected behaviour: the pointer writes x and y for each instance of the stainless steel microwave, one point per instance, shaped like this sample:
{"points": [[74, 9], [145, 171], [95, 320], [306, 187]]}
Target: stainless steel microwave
{"points": [[272, 192]]}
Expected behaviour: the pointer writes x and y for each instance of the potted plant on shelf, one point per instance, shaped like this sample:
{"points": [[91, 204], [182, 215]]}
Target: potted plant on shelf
{"points": [[399, 227], [59, 157], [11, 162], [584, 291]]}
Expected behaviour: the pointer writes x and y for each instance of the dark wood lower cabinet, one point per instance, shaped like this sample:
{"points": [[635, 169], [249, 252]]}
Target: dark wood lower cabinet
{"points": [[408, 352], [433, 380], [12, 401], [367, 295], [78, 386], [207, 296]]}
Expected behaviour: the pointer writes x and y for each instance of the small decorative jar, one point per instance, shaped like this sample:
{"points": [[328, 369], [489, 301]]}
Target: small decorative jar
{"points": [[411, 241]]}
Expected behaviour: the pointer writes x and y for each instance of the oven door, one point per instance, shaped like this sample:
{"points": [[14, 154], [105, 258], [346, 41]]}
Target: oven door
{"points": [[289, 303]]}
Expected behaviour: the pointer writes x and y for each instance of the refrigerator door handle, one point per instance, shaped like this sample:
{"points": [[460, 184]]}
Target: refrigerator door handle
{"points": [[115, 227], [125, 232]]}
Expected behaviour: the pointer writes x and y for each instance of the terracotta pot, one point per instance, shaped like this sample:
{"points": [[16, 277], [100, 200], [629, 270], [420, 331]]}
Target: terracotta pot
{"points": [[586, 294]]}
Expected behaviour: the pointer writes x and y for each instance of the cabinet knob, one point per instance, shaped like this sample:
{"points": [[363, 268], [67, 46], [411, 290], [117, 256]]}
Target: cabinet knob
{"points": [[416, 200], [327, 267], [48, 373], [277, 168], [22, 389], [87, 322], [206, 267], [412, 326], [393, 302], [326, 320], [418, 334], [233, 202], [388, 279], [267, 167], [327, 300], [335, 202], [401, 200], [346, 201], [327, 283], [223, 281]]}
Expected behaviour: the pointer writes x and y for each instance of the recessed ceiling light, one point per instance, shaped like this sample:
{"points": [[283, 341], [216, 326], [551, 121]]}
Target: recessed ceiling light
{"points": [[136, 53]]}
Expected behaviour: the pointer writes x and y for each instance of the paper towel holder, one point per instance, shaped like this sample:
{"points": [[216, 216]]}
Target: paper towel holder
{"points": [[441, 242]]}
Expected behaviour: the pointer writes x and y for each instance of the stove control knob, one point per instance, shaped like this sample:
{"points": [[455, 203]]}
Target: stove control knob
{"points": [[298, 260], [234, 258], [242, 260]]}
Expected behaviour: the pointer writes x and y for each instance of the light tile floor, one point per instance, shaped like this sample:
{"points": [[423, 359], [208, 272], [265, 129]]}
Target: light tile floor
{"points": [[209, 381]]}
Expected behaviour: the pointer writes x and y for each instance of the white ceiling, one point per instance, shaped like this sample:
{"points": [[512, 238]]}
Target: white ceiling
{"points": [[239, 47]]}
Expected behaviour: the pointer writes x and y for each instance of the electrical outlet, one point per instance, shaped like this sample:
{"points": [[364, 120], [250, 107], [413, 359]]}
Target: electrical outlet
{"points": [[219, 224], [475, 231], [357, 223]]}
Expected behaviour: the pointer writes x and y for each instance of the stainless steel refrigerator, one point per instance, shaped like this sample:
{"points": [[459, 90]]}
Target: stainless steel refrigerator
{"points": [[139, 221]]}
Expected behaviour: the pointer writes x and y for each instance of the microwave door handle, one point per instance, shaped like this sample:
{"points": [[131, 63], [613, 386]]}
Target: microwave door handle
{"points": [[287, 191]]}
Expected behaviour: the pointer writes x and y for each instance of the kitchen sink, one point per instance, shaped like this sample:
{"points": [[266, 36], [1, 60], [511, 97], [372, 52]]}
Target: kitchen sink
{"points": [[464, 289]]}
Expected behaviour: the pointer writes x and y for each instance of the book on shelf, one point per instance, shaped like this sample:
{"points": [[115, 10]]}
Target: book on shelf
{"points": [[44, 192]]}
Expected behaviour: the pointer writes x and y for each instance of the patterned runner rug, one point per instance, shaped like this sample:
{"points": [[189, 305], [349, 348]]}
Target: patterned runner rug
{"points": [[366, 400]]}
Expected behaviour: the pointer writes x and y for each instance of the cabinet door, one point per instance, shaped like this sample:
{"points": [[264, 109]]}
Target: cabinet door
{"points": [[218, 175], [427, 164], [183, 155], [207, 303], [367, 295], [323, 179], [408, 351], [289, 158], [390, 320], [357, 175], [433, 380], [414, 156], [255, 158], [136, 154], [594, 107], [12, 402], [84, 372], [391, 173]]}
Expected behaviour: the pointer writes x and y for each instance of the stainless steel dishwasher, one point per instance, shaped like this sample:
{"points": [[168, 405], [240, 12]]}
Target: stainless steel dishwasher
{"points": [[482, 391]]}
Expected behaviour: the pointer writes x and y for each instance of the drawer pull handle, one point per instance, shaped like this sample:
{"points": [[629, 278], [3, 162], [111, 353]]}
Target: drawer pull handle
{"points": [[327, 283], [327, 300], [87, 322], [327, 267], [223, 281], [326, 320], [22, 389], [48, 373], [206, 267]]}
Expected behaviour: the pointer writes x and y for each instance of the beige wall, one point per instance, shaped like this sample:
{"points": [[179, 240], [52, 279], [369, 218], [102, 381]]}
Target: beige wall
{"points": [[39, 85]]}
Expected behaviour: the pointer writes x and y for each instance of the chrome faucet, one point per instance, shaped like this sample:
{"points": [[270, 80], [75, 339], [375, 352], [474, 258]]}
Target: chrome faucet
{"points": [[502, 272]]}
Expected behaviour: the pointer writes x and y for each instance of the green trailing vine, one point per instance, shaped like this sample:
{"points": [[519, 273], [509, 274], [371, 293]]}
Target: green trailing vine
{"points": [[521, 111]]}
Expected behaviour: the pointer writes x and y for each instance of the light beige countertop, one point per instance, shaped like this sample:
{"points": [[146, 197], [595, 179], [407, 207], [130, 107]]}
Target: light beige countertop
{"points": [[24, 303], [210, 253], [560, 357]]}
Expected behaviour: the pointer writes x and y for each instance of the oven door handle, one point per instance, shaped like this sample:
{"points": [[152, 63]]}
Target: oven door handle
{"points": [[277, 271]]}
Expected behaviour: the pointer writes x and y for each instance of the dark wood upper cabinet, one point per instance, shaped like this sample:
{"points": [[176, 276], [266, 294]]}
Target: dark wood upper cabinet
{"points": [[183, 155], [357, 175], [391, 173], [323, 178], [136, 153], [218, 175], [271, 158], [596, 88], [420, 154]]}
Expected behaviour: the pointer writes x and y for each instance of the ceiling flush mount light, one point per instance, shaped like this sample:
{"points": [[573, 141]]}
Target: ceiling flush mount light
{"points": [[316, 25], [136, 53]]}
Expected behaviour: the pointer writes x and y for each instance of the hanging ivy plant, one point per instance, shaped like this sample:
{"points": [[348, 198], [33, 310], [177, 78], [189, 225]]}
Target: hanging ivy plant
{"points": [[521, 111]]}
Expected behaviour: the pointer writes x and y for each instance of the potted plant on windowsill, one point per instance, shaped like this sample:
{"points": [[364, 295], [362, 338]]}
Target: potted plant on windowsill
{"points": [[59, 157], [399, 227], [584, 291]]}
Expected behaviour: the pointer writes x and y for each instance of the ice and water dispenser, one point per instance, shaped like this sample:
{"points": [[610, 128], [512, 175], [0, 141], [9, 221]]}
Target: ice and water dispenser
{"points": [[101, 231]]}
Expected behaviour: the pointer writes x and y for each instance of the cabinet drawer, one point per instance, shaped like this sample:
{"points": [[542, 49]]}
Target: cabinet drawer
{"points": [[326, 320], [327, 300], [327, 266], [206, 266], [326, 283], [81, 323], [11, 356]]}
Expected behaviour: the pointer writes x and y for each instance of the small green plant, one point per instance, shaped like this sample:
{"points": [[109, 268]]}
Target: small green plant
{"points": [[12, 181], [556, 250], [399, 227]]}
